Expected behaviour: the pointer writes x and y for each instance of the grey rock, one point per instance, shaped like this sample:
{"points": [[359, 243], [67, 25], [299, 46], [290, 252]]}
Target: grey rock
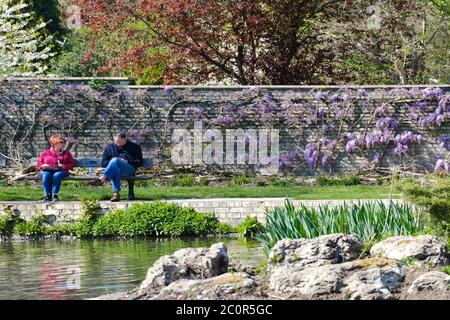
{"points": [[431, 281], [225, 286], [187, 263], [111, 296], [203, 262], [334, 248], [297, 280], [424, 248], [163, 272], [373, 283]]}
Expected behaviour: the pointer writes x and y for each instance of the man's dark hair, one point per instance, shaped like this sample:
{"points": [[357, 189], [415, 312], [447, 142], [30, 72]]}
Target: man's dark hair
{"points": [[121, 135]]}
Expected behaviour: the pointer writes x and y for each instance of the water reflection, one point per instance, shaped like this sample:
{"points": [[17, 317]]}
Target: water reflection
{"points": [[88, 268]]}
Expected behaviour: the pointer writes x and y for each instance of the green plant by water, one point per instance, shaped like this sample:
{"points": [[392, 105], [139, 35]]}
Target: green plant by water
{"points": [[371, 221]]}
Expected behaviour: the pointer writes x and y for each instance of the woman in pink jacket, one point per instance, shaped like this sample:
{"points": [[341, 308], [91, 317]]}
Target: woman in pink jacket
{"points": [[54, 164]]}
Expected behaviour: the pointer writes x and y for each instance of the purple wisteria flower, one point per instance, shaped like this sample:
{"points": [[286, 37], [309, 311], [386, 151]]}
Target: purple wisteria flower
{"points": [[351, 146], [320, 95], [354, 142], [387, 123], [287, 160], [377, 158], [194, 113], [168, 91], [241, 112], [71, 140], [320, 113], [314, 154], [403, 141], [444, 142], [430, 93], [226, 120], [444, 102], [377, 137], [441, 166], [415, 92], [104, 117], [229, 107], [362, 92], [381, 111], [311, 154]]}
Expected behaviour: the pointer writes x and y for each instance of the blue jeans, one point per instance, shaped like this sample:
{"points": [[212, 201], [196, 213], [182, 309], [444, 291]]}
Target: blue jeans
{"points": [[116, 168], [51, 181]]}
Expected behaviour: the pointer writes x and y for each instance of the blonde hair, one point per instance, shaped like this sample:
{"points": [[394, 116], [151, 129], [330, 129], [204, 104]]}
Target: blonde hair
{"points": [[56, 138]]}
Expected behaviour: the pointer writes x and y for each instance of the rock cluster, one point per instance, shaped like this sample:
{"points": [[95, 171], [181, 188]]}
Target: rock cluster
{"points": [[328, 267], [196, 274], [331, 266]]}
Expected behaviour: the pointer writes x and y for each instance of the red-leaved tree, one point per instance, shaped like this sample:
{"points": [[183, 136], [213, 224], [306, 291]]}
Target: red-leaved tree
{"points": [[244, 42], [265, 41]]}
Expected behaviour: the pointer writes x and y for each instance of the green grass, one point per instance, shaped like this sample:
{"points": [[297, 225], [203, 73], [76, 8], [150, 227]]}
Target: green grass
{"points": [[69, 192]]}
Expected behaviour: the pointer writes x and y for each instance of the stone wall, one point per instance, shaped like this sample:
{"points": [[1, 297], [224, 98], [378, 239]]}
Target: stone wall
{"points": [[91, 117], [231, 211]]}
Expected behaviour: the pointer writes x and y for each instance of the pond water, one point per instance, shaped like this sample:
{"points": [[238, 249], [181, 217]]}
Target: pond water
{"points": [[47, 269]]}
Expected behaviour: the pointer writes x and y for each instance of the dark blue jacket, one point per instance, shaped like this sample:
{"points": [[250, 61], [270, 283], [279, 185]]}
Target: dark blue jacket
{"points": [[131, 152]]}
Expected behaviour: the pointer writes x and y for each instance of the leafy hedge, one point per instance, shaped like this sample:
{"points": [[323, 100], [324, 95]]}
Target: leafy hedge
{"points": [[139, 220], [155, 219], [433, 196]]}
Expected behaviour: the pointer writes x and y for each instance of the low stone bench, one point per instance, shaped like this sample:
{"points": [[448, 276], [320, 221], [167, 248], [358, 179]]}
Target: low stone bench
{"points": [[92, 163]]}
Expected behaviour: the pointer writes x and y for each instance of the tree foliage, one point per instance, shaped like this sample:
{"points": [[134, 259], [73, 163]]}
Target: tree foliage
{"points": [[273, 41], [24, 47]]}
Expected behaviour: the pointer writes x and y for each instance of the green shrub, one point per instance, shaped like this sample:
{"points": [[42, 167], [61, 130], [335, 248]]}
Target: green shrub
{"points": [[36, 227], [282, 182], [433, 197], [139, 220], [62, 230], [250, 227], [7, 222], [99, 84], [155, 219], [75, 183], [182, 180], [203, 181], [90, 209], [261, 183], [240, 180], [224, 228], [262, 268], [146, 183], [343, 181], [83, 228], [446, 269], [371, 221]]}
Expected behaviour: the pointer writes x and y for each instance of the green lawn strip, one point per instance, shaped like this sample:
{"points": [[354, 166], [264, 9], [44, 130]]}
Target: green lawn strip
{"points": [[18, 193]]}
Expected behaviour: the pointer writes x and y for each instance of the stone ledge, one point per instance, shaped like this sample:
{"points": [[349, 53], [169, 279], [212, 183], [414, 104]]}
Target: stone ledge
{"points": [[230, 210]]}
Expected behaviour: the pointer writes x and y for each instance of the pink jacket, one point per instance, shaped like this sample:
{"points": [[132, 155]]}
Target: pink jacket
{"points": [[51, 158]]}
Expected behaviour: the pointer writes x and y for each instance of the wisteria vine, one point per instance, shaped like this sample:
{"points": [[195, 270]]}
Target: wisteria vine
{"points": [[318, 127]]}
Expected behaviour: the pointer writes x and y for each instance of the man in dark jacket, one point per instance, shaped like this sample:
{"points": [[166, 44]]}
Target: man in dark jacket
{"points": [[120, 158]]}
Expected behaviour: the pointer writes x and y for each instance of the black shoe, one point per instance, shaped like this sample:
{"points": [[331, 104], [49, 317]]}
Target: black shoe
{"points": [[48, 197], [55, 198]]}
